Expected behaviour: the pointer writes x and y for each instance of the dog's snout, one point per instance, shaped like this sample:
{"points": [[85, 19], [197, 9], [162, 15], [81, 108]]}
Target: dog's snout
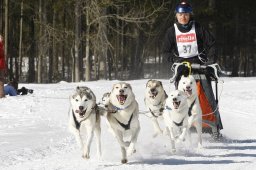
{"points": [[187, 87], [153, 90], [81, 107], [174, 99], [121, 91]]}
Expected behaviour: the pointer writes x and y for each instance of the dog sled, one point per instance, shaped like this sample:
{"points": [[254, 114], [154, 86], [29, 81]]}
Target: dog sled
{"points": [[204, 76]]}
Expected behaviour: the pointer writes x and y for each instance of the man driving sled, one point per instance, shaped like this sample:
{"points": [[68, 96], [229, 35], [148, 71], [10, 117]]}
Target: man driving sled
{"points": [[186, 43]]}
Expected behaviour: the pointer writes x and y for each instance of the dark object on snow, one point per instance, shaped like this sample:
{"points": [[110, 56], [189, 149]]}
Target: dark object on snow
{"points": [[24, 91]]}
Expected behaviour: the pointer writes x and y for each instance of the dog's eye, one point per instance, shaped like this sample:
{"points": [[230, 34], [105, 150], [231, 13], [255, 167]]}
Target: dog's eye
{"points": [[76, 100], [184, 83], [116, 87], [125, 87], [85, 100]]}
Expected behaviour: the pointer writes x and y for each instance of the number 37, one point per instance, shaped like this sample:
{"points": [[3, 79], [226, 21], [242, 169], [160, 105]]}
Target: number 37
{"points": [[187, 48]]}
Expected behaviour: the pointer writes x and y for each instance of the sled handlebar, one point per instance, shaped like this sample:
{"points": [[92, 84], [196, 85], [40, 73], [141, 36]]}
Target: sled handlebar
{"points": [[212, 69]]}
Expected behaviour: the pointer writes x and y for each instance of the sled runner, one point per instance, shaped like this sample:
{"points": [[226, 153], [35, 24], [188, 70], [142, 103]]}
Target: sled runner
{"points": [[204, 75]]}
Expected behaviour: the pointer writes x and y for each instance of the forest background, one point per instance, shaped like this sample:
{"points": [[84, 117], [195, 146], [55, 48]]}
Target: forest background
{"points": [[47, 41]]}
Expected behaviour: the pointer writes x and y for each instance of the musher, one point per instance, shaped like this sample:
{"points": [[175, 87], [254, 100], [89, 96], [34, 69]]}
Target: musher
{"points": [[189, 43]]}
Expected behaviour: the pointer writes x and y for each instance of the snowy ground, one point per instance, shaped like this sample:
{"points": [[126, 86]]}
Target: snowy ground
{"points": [[34, 135]]}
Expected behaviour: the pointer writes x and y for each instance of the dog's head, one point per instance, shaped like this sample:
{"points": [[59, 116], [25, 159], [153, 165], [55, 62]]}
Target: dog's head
{"points": [[153, 88], [121, 94], [105, 99], [188, 85], [82, 101], [176, 100]]}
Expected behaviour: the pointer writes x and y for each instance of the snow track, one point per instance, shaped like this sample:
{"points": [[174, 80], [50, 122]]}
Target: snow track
{"points": [[34, 135]]}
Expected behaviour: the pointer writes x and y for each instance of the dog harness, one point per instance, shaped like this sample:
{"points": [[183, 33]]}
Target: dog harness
{"points": [[160, 110], [76, 122], [125, 126], [179, 124], [190, 108]]}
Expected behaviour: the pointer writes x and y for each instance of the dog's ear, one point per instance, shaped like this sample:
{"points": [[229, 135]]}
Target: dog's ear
{"points": [[161, 84], [89, 96], [148, 82], [166, 95], [71, 96], [129, 85]]}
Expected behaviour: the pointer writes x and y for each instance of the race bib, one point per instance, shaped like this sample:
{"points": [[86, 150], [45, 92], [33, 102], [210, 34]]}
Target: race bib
{"points": [[186, 42]]}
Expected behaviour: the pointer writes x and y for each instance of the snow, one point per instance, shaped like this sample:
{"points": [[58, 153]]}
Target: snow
{"points": [[34, 134]]}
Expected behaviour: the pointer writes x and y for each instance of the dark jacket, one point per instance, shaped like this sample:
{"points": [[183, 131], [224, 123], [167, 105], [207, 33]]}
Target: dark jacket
{"points": [[205, 42]]}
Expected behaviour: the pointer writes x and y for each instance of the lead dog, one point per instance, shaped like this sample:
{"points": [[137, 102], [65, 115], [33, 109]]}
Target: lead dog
{"points": [[123, 117], [84, 113], [176, 116], [154, 99], [188, 85]]}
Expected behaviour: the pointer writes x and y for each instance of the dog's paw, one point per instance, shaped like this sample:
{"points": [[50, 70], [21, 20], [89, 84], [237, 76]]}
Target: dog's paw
{"points": [[86, 156], [124, 161], [180, 139], [131, 151], [173, 150]]}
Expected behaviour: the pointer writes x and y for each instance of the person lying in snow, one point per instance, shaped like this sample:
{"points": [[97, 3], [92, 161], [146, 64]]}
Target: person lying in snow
{"points": [[11, 89]]}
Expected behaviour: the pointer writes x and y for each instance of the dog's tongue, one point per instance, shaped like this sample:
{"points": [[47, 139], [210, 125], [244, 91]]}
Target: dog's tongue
{"points": [[121, 99], [81, 113]]}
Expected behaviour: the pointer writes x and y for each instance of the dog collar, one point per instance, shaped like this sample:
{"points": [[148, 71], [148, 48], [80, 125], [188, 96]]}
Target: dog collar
{"points": [[118, 108]]}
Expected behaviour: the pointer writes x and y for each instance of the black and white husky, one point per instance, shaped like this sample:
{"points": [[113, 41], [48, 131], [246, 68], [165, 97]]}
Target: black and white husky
{"points": [[85, 114], [122, 116], [154, 99]]}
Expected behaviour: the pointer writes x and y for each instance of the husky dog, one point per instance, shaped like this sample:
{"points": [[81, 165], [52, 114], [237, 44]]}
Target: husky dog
{"points": [[105, 99], [84, 113], [154, 99], [188, 85], [176, 116], [123, 117]]}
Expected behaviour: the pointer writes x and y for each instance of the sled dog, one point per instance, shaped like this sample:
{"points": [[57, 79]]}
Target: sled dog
{"points": [[176, 116], [188, 85], [85, 114], [123, 117], [154, 100], [105, 99]]}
